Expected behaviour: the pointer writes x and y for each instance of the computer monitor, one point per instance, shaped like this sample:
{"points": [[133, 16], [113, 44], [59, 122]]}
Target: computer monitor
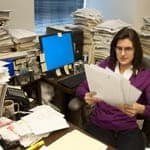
{"points": [[58, 50]]}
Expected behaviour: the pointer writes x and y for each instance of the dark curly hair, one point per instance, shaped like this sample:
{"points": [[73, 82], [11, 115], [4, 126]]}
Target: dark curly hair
{"points": [[131, 34]]}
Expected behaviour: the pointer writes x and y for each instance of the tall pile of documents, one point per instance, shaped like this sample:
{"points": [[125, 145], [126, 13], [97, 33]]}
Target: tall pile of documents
{"points": [[87, 19], [23, 39], [145, 35], [26, 41], [20, 45], [6, 43], [103, 35]]}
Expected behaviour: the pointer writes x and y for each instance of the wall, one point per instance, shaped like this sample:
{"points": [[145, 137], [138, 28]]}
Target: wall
{"points": [[22, 15], [143, 9], [131, 11]]}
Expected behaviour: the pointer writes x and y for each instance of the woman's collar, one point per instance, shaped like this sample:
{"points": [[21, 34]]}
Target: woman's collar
{"points": [[126, 74]]}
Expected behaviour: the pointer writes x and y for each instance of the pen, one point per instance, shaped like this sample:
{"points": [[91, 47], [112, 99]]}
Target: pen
{"points": [[36, 145]]}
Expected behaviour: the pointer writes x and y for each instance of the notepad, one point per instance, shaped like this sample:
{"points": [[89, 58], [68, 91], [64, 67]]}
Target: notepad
{"points": [[76, 140], [110, 87]]}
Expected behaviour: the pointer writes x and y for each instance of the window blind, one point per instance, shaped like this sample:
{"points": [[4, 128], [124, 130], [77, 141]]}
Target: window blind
{"points": [[54, 12]]}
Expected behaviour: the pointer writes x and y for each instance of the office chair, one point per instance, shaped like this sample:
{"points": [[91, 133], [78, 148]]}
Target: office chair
{"points": [[81, 111], [146, 123]]}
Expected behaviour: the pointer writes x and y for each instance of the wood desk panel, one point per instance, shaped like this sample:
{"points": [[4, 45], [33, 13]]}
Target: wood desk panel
{"points": [[62, 94]]}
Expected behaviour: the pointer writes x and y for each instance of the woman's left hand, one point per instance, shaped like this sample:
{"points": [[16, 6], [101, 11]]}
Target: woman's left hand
{"points": [[134, 109]]}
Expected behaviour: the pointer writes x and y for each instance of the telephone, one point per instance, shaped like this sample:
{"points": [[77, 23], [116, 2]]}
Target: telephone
{"points": [[58, 72], [18, 96], [66, 69]]}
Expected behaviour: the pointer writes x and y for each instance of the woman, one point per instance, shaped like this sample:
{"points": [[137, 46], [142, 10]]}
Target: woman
{"points": [[116, 125]]}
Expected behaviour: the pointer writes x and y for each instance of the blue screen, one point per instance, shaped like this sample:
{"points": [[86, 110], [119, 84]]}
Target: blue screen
{"points": [[57, 49]]}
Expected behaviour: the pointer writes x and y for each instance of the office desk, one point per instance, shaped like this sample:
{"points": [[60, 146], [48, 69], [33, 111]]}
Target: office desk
{"points": [[56, 135], [62, 94]]}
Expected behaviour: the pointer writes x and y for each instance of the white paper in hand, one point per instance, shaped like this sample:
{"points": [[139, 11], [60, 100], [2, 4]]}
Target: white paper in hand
{"points": [[109, 86]]}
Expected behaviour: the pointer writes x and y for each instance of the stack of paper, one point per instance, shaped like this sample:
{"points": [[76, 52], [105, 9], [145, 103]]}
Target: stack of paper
{"points": [[145, 35], [24, 39], [76, 140], [103, 35], [5, 14], [87, 19], [4, 74], [6, 43], [22, 35], [31, 128], [110, 87], [45, 119]]}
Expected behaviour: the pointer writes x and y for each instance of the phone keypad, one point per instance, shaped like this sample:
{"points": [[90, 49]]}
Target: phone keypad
{"points": [[16, 92]]}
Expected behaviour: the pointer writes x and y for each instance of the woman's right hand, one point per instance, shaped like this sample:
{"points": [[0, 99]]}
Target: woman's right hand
{"points": [[90, 98]]}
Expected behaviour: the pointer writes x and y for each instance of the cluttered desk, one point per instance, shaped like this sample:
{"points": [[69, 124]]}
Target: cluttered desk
{"points": [[41, 126], [42, 120], [44, 128], [37, 124]]}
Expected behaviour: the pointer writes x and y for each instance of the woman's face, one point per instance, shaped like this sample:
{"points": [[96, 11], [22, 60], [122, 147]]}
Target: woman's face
{"points": [[125, 52]]}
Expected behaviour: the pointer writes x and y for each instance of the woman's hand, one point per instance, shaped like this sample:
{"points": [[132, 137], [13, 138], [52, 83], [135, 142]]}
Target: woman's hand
{"points": [[132, 110], [90, 98]]}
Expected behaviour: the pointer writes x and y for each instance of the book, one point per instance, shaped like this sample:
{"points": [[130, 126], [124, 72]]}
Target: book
{"points": [[109, 86]]}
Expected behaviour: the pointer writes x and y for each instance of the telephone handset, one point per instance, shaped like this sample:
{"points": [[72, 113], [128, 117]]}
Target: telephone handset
{"points": [[18, 95], [58, 73], [66, 69]]}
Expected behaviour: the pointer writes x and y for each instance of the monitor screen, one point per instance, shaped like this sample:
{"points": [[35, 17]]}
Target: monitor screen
{"points": [[58, 50]]}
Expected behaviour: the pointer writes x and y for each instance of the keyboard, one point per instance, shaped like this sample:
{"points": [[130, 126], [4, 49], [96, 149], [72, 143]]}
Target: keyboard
{"points": [[72, 81]]}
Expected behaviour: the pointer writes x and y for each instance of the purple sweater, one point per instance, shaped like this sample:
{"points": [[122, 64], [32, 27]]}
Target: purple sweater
{"points": [[109, 117]]}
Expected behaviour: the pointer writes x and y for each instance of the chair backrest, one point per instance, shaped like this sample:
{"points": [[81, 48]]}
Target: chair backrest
{"points": [[146, 124], [146, 61]]}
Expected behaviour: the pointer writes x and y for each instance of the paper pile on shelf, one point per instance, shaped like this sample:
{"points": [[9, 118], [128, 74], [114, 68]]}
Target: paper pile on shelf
{"points": [[87, 19], [145, 35], [103, 35], [23, 39], [6, 42], [5, 14]]}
